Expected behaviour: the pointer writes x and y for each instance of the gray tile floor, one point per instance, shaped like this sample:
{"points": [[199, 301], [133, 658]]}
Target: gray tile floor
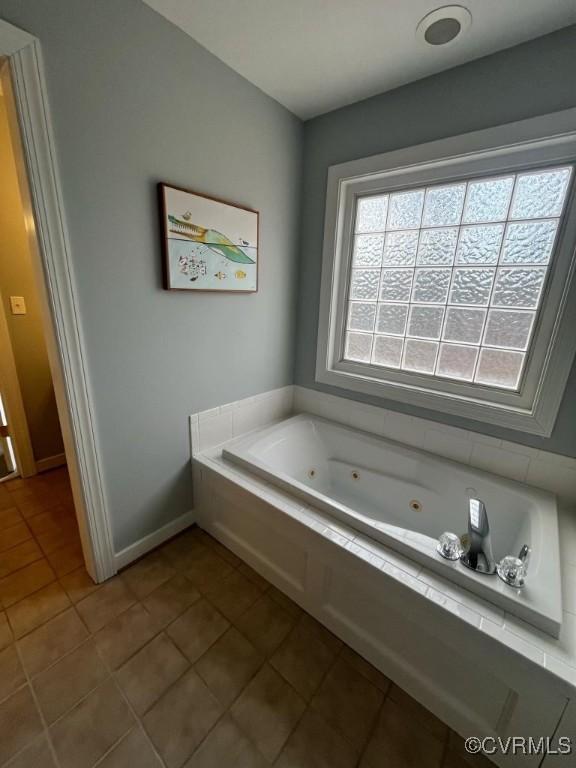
{"points": [[188, 658]]}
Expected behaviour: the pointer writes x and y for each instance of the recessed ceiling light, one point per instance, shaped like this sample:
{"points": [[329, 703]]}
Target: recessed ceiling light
{"points": [[444, 25]]}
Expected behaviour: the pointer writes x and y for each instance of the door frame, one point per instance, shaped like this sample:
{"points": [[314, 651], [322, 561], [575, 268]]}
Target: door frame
{"points": [[57, 287]]}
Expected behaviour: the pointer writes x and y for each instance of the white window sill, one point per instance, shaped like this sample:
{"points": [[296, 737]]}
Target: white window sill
{"points": [[539, 421]]}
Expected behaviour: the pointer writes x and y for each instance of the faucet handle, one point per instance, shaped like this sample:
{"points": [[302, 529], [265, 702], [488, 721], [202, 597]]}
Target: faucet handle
{"points": [[449, 546], [513, 570], [524, 555]]}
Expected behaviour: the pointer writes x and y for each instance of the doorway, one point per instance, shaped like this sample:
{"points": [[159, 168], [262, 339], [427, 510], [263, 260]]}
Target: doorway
{"points": [[22, 75], [39, 536], [30, 434]]}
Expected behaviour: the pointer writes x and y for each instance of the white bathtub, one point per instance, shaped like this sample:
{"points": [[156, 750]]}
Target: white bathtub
{"points": [[406, 498]]}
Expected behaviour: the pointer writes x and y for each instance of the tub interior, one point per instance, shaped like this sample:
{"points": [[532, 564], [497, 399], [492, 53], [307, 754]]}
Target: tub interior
{"points": [[392, 486], [405, 497]]}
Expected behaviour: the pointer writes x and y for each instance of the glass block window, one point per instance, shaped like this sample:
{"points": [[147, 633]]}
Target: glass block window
{"points": [[447, 280]]}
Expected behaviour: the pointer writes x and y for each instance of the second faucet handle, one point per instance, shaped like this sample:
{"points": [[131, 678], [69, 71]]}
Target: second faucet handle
{"points": [[513, 570]]}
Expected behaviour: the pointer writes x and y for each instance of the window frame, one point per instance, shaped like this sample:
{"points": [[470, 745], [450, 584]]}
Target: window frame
{"points": [[544, 141]]}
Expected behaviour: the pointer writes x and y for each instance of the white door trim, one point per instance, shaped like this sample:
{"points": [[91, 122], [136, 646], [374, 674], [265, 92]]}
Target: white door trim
{"points": [[61, 316]]}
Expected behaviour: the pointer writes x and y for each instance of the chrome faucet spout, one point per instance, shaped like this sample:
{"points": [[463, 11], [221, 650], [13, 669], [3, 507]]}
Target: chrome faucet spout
{"points": [[478, 556]]}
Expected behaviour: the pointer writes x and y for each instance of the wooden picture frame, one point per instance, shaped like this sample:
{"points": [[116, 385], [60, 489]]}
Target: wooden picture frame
{"points": [[208, 244]]}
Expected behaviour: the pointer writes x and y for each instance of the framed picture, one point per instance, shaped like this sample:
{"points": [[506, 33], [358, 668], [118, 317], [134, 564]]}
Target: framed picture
{"points": [[208, 244]]}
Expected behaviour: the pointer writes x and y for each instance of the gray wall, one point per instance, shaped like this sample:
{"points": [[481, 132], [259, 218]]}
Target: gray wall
{"points": [[134, 101], [531, 79]]}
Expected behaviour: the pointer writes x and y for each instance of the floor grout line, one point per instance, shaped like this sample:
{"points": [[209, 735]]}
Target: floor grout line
{"points": [[114, 745], [21, 568], [308, 703], [77, 702], [38, 709], [20, 637], [137, 718], [31, 594], [15, 690], [372, 729], [61, 658]]}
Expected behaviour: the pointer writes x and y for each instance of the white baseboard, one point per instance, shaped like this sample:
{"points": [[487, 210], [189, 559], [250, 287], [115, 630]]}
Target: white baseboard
{"points": [[51, 462], [152, 540]]}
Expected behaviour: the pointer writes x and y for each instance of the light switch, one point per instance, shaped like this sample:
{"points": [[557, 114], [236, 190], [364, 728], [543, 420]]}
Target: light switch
{"points": [[17, 305]]}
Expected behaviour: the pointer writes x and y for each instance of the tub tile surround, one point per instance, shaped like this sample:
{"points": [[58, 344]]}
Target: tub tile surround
{"points": [[542, 469], [217, 425], [537, 467]]}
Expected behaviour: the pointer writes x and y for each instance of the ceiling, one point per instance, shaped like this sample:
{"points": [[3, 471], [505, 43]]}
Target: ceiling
{"points": [[316, 55]]}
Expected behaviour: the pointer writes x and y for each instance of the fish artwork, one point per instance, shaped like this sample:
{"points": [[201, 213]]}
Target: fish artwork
{"points": [[207, 243], [193, 267], [215, 241]]}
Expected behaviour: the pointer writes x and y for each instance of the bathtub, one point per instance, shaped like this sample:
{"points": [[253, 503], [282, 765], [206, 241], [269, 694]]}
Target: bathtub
{"points": [[405, 498]]}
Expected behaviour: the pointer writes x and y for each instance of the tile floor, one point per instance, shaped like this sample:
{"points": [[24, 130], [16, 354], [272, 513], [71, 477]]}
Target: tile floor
{"points": [[187, 658]]}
